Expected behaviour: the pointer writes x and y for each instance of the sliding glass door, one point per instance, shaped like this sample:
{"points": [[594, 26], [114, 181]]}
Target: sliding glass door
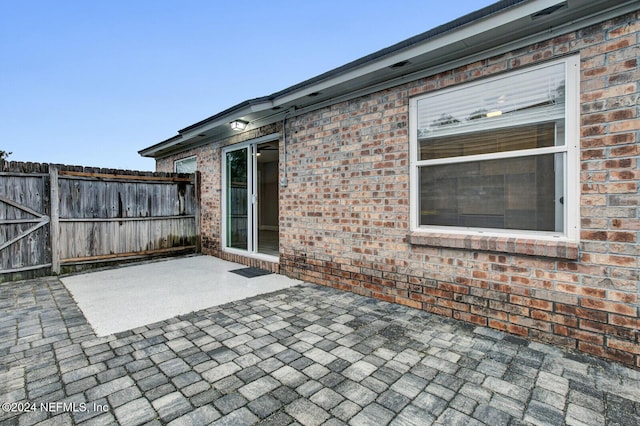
{"points": [[251, 211]]}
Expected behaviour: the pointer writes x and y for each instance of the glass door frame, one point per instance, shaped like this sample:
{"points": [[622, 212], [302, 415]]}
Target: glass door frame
{"points": [[252, 199]]}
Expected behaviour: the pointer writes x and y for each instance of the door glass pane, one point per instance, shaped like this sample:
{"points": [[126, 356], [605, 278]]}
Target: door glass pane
{"points": [[514, 193], [268, 194], [237, 206]]}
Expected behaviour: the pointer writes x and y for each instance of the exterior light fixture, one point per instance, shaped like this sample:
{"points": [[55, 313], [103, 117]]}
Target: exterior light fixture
{"points": [[239, 124]]}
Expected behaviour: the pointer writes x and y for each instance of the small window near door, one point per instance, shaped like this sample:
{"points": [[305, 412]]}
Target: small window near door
{"points": [[186, 165]]}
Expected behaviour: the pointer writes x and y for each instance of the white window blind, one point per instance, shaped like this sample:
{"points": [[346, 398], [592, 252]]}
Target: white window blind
{"points": [[518, 99]]}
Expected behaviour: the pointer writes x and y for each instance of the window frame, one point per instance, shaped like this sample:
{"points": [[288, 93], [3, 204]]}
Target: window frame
{"points": [[181, 160], [570, 150]]}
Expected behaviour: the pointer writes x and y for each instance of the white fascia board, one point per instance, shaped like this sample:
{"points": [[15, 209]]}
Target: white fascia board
{"points": [[266, 105], [153, 153], [456, 35], [185, 137], [224, 120]]}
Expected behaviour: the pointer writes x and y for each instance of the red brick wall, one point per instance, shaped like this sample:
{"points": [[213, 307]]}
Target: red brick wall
{"points": [[345, 213]]}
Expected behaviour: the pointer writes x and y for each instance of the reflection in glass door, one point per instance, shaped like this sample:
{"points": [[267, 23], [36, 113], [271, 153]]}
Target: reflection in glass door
{"points": [[268, 211], [251, 198], [237, 189]]}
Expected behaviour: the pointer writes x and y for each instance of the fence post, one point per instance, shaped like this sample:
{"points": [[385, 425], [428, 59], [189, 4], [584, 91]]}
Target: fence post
{"points": [[196, 182], [55, 220]]}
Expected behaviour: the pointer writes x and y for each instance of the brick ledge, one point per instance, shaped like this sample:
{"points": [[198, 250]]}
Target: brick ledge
{"points": [[525, 246]]}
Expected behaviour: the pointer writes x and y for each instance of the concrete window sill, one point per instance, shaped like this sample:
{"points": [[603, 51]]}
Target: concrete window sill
{"points": [[529, 247]]}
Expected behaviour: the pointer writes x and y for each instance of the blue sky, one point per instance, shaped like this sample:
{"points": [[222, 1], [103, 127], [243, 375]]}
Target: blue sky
{"points": [[92, 82]]}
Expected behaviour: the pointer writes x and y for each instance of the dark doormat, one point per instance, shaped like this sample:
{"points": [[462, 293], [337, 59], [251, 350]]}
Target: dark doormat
{"points": [[251, 272]]}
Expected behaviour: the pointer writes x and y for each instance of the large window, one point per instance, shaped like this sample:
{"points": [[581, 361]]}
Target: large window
{"points": [[498, 155]]}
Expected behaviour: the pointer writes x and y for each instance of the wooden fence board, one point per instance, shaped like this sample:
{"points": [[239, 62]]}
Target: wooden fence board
{"points": [[54, 188]]}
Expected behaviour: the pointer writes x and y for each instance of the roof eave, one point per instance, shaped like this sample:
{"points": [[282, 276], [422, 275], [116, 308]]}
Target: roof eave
{"points": [[446, 38], [301, 90]]}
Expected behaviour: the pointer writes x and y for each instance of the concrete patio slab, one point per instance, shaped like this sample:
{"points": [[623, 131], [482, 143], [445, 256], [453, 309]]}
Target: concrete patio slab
{"points": [[121, 299]]}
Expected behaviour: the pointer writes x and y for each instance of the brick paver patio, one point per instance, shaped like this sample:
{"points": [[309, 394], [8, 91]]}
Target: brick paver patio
{"points": [[307, 355]]}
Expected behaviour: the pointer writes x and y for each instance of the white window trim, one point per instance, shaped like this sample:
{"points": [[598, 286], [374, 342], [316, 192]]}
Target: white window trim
{"points": [[175, 163], [571, 172]]}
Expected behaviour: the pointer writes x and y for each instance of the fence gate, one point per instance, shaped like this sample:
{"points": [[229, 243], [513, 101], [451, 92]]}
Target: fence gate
{"points": [[24, 220]]}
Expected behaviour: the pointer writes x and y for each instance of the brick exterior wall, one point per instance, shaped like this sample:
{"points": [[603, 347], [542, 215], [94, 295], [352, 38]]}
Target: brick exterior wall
{"points": [[344, 216]]}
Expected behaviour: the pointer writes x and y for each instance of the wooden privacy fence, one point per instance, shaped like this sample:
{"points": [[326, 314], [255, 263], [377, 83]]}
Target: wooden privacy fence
{"points": [[58, 218]]}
